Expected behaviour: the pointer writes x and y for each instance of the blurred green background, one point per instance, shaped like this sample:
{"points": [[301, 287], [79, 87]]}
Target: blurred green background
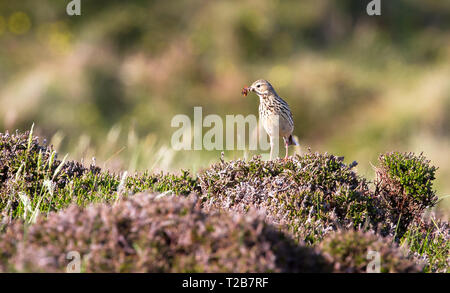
{"points": [[106, 84]]}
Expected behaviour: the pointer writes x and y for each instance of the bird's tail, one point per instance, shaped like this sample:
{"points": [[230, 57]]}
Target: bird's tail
{"points": [[291, 140]]}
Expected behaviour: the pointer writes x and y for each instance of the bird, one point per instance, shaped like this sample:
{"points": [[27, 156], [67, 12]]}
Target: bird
{"points": [[274, 114]]}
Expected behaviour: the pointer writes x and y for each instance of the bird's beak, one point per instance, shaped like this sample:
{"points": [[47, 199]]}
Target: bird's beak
{"points": [[250, 89]]}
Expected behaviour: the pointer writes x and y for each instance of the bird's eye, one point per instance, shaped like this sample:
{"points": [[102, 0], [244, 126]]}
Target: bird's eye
{"points": [[258, 85]]}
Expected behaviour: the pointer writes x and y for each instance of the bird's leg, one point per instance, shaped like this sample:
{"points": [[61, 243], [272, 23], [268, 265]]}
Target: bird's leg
{"points": [[286, 143], [271, 148]]}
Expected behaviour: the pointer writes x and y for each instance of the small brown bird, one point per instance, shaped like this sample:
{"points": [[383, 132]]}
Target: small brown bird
{"points": [[274, 113]]}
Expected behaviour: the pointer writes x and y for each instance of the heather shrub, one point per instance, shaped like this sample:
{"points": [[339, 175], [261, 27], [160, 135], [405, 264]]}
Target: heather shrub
{"points": [[404, 186], [348, 251], [307, 195], [33, 180], [429, 239], [21, 153], [30, 175], [182, 184], [249, 216], [149, 233]]}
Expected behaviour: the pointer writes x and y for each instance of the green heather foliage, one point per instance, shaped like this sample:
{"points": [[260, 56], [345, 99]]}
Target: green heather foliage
{"points": [[429, 240], [148, 233], [348, 251], [404, 185], [183, 184], [309, 195]]}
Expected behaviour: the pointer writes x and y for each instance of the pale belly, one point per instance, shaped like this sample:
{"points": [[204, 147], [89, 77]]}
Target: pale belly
{"points": [[272, 125]]}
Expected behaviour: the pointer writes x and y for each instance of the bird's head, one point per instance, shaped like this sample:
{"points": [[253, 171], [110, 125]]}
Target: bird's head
{"points": [[262, 88]]}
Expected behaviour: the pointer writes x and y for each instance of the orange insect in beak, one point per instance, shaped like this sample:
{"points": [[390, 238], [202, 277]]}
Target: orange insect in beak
{"points": [[245, 91]]}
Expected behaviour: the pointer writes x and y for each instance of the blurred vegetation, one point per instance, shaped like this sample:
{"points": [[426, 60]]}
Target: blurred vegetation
{"points": [[107, 84], [150, 234]]}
